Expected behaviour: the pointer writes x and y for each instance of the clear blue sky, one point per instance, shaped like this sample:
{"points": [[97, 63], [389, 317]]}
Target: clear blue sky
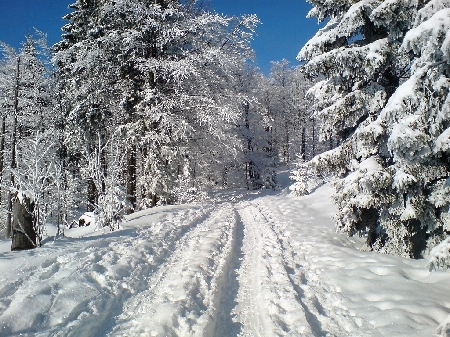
{"points": [[284, 29]]}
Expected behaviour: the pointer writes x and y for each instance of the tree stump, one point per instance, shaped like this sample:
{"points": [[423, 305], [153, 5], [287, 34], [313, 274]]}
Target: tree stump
{"points": [[23, 231]]}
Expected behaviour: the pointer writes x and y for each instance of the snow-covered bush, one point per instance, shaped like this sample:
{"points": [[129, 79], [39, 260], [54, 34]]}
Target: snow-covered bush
{"points": [[306, 178], [111, 203], [440, 256], [187, 191]]}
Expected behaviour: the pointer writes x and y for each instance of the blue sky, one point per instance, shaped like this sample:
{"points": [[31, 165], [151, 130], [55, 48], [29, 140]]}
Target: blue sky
{"points": [[284, 29]]}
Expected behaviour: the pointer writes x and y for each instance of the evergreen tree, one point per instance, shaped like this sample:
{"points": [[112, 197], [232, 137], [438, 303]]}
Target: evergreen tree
{"points": [[414, 128], [357, 53], [83, 59]]}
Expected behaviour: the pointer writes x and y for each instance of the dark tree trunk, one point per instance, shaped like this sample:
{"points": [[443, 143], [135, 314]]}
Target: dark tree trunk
{"points": [[23, 229], [92, 195], [303, 146], [131, 177], [287, 155], [144, 192], [104, 168], [225, 176], [250, 172], [313, 137]]}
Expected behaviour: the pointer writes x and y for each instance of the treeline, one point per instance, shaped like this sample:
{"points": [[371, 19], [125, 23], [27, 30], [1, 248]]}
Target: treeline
{"points": [[143, 103]]}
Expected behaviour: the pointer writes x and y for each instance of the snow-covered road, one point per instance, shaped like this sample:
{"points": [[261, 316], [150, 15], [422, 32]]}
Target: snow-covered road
{"points": [[249, 265]]}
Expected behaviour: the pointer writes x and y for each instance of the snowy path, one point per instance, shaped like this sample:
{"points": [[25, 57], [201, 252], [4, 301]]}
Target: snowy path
{"points": [[268, 302], [253, 266], [183, 295]]}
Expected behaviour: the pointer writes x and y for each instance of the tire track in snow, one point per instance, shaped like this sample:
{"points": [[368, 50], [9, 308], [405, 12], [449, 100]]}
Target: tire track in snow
{"points": [[230, 286], [86, 285], [322, 303], [184, 294], [267, 301], [155, 244], [297, 278]]}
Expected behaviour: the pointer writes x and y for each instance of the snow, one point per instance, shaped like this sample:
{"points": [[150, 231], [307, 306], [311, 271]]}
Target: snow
{"points": [[439, 255], [428, 36], [442, 143], [243, 264], [346, 25]]}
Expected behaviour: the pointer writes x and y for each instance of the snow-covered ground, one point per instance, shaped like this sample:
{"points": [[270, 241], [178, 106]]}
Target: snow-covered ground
{"points": [[247, 264]]}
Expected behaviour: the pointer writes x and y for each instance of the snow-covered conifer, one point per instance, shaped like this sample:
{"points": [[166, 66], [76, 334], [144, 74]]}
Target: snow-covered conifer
{"points": [[415, 125], [357, 55]]}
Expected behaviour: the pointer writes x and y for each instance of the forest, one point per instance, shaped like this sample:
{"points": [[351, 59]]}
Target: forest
{"points": [[156, 102]]}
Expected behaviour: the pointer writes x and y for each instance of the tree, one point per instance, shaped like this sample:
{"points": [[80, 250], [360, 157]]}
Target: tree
{"points": [[36, 180], [9, 86], [414, 128], [163, 82], [26, 90], [357, 53], [283, 97], [83, 59], [190, 116], [393, 162]]}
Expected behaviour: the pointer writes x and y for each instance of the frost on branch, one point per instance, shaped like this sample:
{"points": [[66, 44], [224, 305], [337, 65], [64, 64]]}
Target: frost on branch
{"points": [[439, 257], [346, 20]]}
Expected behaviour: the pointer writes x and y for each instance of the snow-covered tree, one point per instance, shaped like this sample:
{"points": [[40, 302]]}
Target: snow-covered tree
{"points": [[111, 204], [8, 84], [358, 55], [26, 89], [414, 128], [88, 72], [160, 74], [190, 111], [282, 98], [36, 177], [386, 96]]}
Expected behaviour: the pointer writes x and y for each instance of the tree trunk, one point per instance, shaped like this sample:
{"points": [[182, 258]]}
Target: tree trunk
{"points": [[303, 146], [104, 166], [225, 176], [313, 137], [249, 165], [2, 155], [131, 177], [287, 156], [23, 230], [13, 150], [144, 192], [92, 195]]}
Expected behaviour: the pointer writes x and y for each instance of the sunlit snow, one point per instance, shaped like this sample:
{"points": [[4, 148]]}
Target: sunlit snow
{"points": [[247, 264]]}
